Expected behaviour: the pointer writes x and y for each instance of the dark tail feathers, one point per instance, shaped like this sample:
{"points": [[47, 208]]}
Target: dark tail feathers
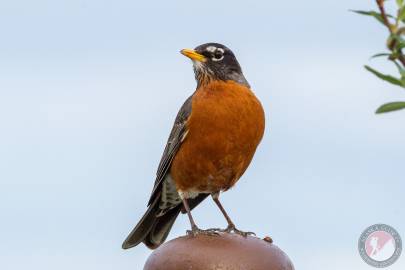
{"points": [[152, 230]]}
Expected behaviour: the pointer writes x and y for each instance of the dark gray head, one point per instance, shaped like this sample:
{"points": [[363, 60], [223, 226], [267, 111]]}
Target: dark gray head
{"points": [[214, 61]]}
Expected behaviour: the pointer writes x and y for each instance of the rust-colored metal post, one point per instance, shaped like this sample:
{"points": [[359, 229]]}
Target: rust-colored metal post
{"points": [[222, 252]]}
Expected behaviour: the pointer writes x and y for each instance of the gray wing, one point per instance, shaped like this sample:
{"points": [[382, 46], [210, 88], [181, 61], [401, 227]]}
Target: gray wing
{"points": [[177, 135], [165, 204]]}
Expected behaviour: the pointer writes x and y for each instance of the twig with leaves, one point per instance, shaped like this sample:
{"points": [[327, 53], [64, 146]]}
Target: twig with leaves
{"points": [[395, 44]]}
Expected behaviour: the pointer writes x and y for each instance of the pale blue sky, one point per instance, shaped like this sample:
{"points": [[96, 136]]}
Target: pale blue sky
{"points": [[88, 93]]}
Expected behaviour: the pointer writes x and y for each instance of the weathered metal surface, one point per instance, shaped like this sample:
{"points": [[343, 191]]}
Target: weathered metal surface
{"points": [[222, 252]]}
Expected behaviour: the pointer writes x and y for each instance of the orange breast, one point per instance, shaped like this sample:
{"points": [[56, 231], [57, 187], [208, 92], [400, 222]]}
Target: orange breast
{"points": [[225, 127]]}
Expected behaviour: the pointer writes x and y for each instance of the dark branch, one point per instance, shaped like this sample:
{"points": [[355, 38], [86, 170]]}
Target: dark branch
{"points": [[380, 4]]}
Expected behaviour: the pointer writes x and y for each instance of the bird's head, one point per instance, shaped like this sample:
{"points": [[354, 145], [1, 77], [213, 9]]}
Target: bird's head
{"points": [[214, 61]]}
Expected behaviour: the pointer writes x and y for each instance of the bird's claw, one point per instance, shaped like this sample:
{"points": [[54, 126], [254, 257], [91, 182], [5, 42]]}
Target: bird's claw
{"points": [[231, 228], [215, 231], [196, 231]]}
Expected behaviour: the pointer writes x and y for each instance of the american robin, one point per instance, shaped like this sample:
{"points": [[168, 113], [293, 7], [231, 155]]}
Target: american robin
{"points": [[212, 142]]}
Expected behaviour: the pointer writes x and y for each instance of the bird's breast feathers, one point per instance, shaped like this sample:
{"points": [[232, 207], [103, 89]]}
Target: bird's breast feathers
{"points": [[227, 110], [224, 128]]}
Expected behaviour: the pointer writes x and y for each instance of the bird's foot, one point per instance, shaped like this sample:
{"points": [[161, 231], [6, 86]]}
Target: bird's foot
{"points": [[196, 231], [231, 228]]}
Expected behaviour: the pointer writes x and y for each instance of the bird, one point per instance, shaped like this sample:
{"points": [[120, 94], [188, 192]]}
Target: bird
{"points": [[212, 142]]}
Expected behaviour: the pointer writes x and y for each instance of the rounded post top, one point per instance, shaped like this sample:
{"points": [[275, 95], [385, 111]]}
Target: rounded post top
{"points": [[219, 252]]}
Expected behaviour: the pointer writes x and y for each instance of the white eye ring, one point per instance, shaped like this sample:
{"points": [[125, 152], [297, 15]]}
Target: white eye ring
{"points": [[218, 59]]}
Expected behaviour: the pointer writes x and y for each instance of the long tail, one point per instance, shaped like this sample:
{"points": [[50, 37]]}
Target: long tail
{"points": [[152, 230]]}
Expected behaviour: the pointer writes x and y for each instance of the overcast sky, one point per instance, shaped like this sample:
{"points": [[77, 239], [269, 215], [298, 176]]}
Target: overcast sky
{"points": [[89, 91]]}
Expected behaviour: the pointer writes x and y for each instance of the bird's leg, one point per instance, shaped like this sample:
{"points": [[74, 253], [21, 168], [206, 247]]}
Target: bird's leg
{"points": [[194, 229], [231, 226]]}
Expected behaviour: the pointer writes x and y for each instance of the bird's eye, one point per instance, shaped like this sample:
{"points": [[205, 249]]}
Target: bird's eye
{"points": [[218, 55]]}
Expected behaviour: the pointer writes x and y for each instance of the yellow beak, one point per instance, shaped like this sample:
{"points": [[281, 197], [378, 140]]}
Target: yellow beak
{"points": [[193, 55]]}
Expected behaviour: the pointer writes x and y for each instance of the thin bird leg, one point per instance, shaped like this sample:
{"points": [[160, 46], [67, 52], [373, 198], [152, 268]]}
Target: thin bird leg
{"points": [[194, 229], [231, 226], [190, 217]]}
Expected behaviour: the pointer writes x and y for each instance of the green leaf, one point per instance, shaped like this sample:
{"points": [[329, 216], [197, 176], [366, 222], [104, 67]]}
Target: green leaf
{"points": [[388, 78], [396, 42], [400, 2], [373, 14], [370, 13], [400, 32], [379, 55], [401, 14], [392, 106], [400, 45], [401, 70]]}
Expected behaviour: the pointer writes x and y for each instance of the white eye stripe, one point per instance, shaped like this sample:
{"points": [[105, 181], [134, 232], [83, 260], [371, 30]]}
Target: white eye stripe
{"points": [[211, 49]]}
